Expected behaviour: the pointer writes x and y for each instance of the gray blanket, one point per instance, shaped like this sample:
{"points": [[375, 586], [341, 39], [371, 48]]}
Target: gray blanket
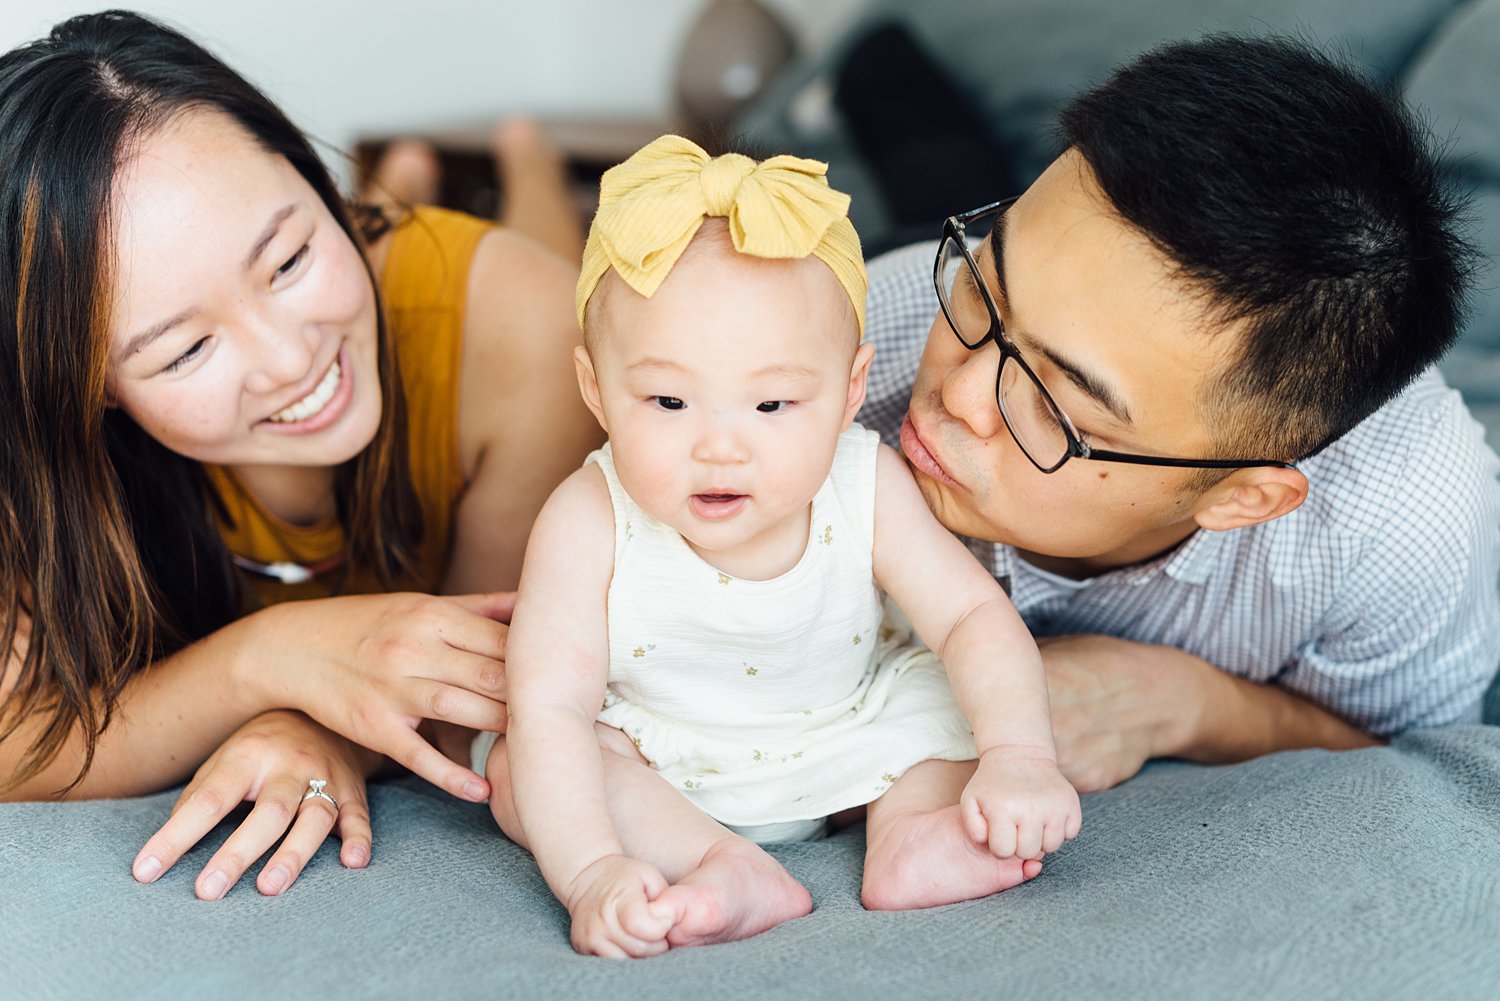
{"points": [[1369, 874]]}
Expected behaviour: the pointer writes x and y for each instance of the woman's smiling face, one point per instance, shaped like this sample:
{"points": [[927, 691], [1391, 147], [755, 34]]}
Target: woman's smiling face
{"points": [[243, 321]]}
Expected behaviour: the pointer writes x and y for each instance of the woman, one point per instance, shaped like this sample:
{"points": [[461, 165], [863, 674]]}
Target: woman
{"points": [[215, 397]]}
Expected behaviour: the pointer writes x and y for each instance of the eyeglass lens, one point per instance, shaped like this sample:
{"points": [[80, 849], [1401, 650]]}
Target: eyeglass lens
{"points": [[960, 297], [1033, 420]]}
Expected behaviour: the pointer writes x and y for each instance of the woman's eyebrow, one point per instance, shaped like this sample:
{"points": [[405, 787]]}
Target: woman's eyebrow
{"points": [[267, 235], [145, 337]]}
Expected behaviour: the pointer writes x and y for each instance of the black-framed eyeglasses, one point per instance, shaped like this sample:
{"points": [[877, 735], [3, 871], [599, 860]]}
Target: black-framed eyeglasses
{"points": [[1044, 433]]}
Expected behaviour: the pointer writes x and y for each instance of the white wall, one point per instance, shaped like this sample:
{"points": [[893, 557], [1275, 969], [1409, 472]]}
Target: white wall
{"points": [[341, 68]]}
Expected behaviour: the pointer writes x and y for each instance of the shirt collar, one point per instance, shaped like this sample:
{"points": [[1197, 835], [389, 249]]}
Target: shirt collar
{"points": [[1192, 562], [1195, 560]]}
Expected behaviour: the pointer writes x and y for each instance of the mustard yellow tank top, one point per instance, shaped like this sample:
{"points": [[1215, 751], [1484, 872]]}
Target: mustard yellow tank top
{"points": [[423, 289]]}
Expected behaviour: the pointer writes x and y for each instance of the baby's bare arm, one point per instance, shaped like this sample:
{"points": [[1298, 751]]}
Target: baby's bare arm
{"points": [[558, 663], [959, 611], [1018, 802]]}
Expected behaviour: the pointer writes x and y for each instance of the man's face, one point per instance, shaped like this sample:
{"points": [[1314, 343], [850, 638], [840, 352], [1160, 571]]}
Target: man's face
{"points": [[1123, 346]]}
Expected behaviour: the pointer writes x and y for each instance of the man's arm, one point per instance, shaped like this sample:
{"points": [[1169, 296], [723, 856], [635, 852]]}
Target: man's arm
{"points": [[1410, 640], [1117, 703]]}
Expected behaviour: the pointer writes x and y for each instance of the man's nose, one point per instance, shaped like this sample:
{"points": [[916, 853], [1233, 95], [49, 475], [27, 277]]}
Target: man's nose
{"points": [[968, 392]]}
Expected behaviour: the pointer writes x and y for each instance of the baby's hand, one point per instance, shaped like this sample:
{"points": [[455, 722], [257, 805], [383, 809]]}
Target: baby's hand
{"points": [[611, 903], [1019, 803]]}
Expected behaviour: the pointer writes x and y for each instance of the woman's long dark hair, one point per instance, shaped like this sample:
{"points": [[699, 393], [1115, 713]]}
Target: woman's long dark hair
{"points": [[110, 556]]}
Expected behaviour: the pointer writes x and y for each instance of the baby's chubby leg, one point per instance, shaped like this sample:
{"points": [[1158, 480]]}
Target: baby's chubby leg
{"points": [[724, 887], [917, 852]]}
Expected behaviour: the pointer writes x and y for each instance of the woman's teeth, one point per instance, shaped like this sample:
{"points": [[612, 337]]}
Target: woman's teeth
{"points": [[313, 402]]}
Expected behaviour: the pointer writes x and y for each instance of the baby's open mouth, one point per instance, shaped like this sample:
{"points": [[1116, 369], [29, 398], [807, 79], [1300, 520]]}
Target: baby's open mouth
{"points": [[717, 505]]}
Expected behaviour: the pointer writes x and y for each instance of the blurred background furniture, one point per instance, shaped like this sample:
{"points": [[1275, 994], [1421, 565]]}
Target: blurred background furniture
{"points": [[1013, 63]]}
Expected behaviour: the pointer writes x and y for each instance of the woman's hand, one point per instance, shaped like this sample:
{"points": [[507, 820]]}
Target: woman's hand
{"points": [[268, 761], [372, 667]]}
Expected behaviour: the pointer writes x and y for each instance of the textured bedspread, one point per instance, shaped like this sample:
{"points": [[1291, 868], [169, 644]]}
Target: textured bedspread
{"points": [[1370, 874]]}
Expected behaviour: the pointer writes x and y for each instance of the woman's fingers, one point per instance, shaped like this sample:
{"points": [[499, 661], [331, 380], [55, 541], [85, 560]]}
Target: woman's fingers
{"points": [[354, 831], [274, 761], [475, 634], [407, 748], [197, 811], [451, 703], [496, 605], [315, 821], [275, 809]]}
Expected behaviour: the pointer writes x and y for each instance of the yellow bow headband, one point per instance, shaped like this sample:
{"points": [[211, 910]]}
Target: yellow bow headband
{"points": [[650, 208]]}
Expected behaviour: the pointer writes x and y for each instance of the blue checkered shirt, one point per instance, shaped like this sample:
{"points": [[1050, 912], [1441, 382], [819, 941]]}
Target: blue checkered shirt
{"points": [[1377, 598]]}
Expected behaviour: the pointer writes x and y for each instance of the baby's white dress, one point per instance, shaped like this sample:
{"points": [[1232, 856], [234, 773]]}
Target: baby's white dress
{"points": [[775, 701]]}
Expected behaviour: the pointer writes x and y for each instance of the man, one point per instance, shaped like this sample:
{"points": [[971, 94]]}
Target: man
{"points": [[1244, 262]]}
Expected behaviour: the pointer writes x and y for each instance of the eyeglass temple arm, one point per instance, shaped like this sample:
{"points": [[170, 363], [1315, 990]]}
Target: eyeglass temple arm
{"points": [[1104, 455]]}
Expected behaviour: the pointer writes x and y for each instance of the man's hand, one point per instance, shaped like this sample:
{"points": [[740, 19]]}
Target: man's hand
{"points": [[1116, 704]]}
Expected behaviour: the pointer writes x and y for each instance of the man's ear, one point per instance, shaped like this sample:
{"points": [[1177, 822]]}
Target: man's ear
{"points": [[859, 382], [1250, 497], [588, 384]]}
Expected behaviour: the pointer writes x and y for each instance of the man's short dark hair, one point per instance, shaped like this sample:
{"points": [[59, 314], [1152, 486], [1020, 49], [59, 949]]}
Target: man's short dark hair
{"points": [[1304, 202]]}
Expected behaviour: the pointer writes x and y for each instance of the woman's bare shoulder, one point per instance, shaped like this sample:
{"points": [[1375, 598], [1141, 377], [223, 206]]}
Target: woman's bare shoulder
{"points": [[519, 333]]}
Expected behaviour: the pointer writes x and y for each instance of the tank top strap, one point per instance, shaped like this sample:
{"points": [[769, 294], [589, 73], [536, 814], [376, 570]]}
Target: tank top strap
{"points": [[853, 480], [628, 515]]}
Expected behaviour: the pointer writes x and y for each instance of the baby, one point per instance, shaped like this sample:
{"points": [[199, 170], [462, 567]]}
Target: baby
{"points": [[712, 578]]}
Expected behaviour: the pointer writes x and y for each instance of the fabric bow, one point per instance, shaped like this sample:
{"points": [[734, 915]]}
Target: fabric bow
{"points": [[651, 206]]}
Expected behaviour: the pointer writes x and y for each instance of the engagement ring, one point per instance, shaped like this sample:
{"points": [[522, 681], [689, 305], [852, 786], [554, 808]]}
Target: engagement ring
{"points": [[315, 791]]}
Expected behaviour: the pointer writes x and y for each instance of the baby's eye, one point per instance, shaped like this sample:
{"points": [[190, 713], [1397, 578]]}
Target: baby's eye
{"points": [[773, 406], [668, 402]]}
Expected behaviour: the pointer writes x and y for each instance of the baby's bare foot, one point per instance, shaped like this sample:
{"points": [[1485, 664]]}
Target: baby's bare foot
{"points": [[926, 860], [737, 891]]}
